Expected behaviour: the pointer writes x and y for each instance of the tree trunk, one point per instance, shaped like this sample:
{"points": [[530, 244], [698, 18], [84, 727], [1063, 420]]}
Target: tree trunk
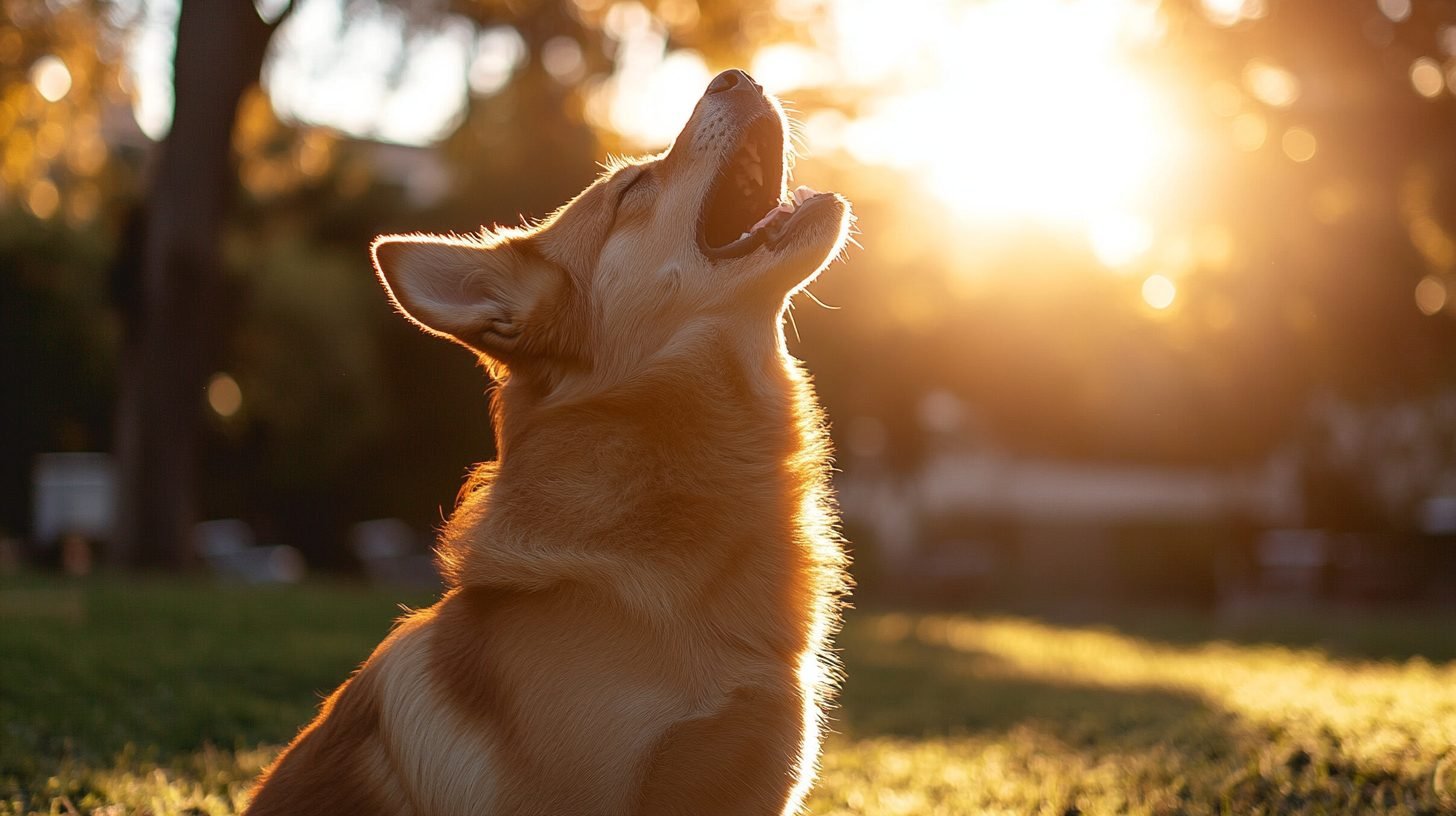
{"points": [[173, 330]]}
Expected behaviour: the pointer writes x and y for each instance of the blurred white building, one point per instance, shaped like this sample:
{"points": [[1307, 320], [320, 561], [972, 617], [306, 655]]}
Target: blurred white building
{"points": [[975, 521]]}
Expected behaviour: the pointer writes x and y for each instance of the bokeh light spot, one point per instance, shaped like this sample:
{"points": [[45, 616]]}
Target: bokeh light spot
{"points": [[270, 10], [1430, 295], [1230, 12], [679, 13], [1271, 84], [43, 199], [498, 51], [1425, 77], [224, 396], [562, 59], [1299, 144], [51, 77], [941, 412], [1396, 10], [626, 20], [314, 153], [50, 138], [1159, 292]]}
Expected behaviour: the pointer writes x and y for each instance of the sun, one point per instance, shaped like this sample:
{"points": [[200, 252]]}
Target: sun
{"points": [[1017, 109], [1001, 110]]}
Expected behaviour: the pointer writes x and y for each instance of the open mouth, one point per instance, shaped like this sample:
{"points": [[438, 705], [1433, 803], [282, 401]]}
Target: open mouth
{"points": [[747, 206]]}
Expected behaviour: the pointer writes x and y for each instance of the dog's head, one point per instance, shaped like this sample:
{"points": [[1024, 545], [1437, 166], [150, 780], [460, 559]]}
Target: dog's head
{"points": [[703, 239]]}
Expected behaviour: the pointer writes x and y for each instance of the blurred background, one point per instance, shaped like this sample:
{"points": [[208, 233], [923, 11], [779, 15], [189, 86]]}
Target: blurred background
{"points": [[1152, 306]]}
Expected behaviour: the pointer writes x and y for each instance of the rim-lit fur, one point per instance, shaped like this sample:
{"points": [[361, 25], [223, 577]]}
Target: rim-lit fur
{"points": [[641, 589]]}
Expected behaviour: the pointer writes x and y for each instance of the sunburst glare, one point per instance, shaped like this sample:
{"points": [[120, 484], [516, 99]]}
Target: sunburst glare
{"points": [[1022, 109]]}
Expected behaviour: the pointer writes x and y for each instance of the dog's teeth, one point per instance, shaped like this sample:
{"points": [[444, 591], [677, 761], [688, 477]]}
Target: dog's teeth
{"points": [[752, 168], [753, 152], [741, 237], [745, 185], [771, 214]]}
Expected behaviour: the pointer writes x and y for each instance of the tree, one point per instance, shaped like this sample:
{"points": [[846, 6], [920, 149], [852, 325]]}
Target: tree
{"points": [[172, 330], [175, 315]]}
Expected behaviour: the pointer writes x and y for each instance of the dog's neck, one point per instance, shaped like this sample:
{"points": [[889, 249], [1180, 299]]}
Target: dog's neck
{"points": [[688, 468]]}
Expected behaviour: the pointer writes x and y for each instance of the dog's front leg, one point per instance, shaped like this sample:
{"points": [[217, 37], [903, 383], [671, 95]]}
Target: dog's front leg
{"points": [[742, 760]]}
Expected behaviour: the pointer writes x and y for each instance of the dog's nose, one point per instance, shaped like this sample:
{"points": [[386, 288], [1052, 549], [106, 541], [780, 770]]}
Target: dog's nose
{"points": [[730, 79]]}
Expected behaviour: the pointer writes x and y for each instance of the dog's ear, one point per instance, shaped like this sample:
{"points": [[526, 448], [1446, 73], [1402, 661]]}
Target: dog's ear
{"points": [[483, 293]]}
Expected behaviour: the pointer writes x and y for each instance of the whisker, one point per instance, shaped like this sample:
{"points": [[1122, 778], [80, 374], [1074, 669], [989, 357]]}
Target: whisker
{"points": [[816, 299]]}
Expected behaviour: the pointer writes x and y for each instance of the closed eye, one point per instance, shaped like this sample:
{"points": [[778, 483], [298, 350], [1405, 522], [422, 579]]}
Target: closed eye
{"points": [[621, 197], [627, 189]]}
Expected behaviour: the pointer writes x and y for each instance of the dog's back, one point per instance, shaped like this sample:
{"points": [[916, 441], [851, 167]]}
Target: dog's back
{"points": [[642, 587]]}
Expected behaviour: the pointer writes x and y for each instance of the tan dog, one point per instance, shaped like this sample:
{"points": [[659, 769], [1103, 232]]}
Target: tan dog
{"points": [[643, 586]]}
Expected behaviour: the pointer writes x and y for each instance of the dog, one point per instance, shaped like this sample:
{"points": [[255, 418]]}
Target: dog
{"points": [[642, 587]]}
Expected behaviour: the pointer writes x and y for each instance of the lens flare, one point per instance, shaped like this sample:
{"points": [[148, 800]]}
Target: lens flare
{"points": [[1159, 292], [224, 396], [1430, 295], [1271, 84], [51, 77], [1299, 144], [1000, 129], [1426, 78]]}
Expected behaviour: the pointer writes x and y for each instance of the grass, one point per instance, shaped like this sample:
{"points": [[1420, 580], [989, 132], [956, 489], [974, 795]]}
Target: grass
{"points": [[167, 698]]}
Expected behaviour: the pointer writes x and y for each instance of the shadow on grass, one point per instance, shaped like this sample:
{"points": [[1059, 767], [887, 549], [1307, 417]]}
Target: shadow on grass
{"points": [[116, 692], [173, 666], [911, 689], [1175, 751], [1341, 632]]}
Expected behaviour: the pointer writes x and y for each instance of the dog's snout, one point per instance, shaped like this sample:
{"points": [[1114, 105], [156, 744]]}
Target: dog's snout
{"points": [[726, 81], [731, 79]]}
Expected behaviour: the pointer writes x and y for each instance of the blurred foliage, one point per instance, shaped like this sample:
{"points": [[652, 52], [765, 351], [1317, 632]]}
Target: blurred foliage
{"points": [[1295, 279], [308, 412], [54, 306], [60, 78]]}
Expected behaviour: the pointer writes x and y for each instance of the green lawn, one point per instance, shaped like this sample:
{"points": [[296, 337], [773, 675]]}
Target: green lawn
{"points": [[166, 698]]}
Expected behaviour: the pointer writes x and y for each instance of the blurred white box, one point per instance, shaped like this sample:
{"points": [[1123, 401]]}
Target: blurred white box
{"points": [[75, 495]]}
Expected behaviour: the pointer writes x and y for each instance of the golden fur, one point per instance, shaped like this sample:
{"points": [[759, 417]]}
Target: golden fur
{"points": [[641, 589]]}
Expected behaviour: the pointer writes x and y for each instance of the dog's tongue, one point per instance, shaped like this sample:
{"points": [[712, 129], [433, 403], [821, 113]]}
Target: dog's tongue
{"points": [[802, 193], [768, 217]]}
